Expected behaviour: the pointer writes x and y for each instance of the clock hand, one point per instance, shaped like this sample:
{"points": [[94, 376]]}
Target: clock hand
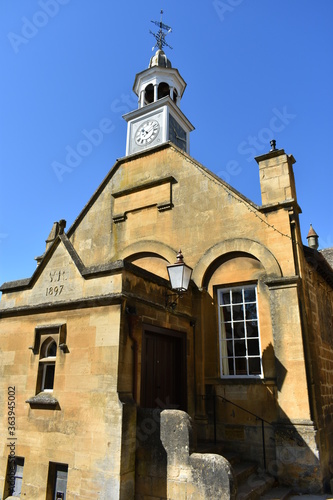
{"points": [[146, 131]]}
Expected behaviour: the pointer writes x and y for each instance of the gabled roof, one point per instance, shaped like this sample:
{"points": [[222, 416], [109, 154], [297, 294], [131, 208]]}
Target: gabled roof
{"points": [[85, 272], [318, 261], [29, 282], [328, 254]]}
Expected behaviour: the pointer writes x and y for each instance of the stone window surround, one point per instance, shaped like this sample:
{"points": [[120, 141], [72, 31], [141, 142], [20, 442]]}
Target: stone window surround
{"points": [[247, 357], [46, 360], [57, 333]]}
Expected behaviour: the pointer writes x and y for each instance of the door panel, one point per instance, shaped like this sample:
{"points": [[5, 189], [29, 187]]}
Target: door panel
{"points": [[163, 381]]}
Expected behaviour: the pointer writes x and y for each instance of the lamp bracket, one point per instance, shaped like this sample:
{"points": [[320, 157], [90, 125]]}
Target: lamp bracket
{"points": [[171, 299]]}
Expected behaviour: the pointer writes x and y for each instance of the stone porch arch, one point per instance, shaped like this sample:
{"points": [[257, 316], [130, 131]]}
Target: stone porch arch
{"points": [[161, 250], [235, 245]]}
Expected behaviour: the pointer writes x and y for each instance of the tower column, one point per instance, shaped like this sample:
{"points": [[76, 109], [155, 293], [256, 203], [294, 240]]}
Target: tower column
{"points": [[155, 92], [142, 98]]}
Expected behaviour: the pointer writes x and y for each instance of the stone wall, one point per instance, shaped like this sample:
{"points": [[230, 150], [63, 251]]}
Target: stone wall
{"points": [[85, 430], [320, 314]]}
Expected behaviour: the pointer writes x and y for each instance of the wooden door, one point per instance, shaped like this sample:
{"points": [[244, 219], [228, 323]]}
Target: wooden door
{"points": [[163, 380]]}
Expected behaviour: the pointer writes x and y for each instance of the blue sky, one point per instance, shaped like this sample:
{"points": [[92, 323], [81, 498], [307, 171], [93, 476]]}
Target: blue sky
{"points": [[255, 69]]}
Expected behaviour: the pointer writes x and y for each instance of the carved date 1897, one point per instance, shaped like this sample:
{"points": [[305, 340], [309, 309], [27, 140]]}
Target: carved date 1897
{"points": [[54, 290]]}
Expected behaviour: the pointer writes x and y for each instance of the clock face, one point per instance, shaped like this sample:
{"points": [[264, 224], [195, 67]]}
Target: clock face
{"points": [[147, 132]]}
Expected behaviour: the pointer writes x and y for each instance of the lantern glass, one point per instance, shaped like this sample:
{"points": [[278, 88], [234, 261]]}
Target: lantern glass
{"points": [[179, 276]]}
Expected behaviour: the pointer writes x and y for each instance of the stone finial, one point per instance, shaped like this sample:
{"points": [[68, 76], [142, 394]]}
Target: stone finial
{"points": [[313, 238], [57, 228]]}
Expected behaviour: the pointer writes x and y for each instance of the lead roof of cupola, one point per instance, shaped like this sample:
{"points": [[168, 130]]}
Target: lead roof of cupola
{"points": [[160, 59]]}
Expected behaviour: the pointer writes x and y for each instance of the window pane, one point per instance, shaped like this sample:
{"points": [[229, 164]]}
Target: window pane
{"points": [[241, 368], [230, 347], [225, 297], [237, 312], [52, 350], [49, 377], [240, 349], [237, 297], [253, 347], [251, 311], [249, 295], [228, 330], [226, 313], [252, 329], [239, 331], [231, 366], [254, 366]]}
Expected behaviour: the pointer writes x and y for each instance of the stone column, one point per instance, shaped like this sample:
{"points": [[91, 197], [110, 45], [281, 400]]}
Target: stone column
{"points": [[142, 98]]}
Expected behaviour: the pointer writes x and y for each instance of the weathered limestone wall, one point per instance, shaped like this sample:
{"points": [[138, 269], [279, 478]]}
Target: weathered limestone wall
{"points": [[288, 346], [86, 431]]}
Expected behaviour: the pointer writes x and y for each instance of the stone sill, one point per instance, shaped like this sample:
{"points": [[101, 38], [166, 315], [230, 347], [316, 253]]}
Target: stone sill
{"points": [[44, 401], [241, 381]]}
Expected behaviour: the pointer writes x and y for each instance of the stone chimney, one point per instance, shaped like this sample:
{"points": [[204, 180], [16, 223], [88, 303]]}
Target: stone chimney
{"points": [[277, 180]]}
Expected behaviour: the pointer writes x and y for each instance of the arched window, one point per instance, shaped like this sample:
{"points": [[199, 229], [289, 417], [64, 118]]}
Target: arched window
{"points": [[149, 94], [47, 362], [163, 90]]}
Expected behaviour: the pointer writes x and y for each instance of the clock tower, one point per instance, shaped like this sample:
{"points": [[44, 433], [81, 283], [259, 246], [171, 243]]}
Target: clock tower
{"points": [[158, 118]]}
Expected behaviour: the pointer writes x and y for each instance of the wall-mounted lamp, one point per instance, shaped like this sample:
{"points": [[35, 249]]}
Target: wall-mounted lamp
{"points": [[179, 276]]}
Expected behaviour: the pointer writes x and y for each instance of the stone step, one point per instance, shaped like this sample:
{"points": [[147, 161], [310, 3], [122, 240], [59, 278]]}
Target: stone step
{"points": [[277, 493], [254, 486], [218, 449], [252, 483], [243, 470]]}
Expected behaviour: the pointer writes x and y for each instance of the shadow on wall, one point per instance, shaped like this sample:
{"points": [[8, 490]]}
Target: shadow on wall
{"points": [[151, 457], [245, 416], [285, 449]]}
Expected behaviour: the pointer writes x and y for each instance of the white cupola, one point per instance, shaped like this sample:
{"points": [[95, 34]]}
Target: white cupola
{"points": [[158, 118]]}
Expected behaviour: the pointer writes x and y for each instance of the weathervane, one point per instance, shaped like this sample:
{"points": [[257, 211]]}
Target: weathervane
{"points": [[160, 35]]}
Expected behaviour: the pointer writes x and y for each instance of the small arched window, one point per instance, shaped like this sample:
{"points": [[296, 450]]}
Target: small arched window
{"points": [[163, 90], [47, 362], [149, 94]]}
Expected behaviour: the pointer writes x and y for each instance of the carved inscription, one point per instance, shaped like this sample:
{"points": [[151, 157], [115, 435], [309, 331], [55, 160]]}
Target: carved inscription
{"points": [[54, 290], [57, 278]]}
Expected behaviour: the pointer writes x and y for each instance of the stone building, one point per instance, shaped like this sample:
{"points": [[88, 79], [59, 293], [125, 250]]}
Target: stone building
{"points": [[94, 345]]}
